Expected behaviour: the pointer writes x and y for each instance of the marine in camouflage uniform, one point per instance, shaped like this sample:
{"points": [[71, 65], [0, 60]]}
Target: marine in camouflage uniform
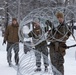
{"points": [[57, 48], [40, 47]]}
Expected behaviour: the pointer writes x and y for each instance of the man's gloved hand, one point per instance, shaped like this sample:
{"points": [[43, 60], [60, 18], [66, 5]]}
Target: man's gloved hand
{"points": [[65, 46], [20, 41], [4, 42]]}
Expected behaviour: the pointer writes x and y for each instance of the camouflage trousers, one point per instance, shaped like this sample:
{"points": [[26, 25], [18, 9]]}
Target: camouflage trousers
{"points": [[57, 59], [15, 47], [44, 51]]}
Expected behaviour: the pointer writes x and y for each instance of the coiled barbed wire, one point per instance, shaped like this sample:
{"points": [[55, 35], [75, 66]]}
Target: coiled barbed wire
{"points": [[41, 15], [27, 61]]}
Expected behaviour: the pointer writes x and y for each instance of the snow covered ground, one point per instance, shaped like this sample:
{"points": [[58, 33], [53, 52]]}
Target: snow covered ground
{"points": [[4, 68], [70, 58], [69, 65]]}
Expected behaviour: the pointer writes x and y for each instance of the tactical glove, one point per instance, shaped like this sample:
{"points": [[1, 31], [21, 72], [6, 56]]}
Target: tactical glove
{"points": [[4, 41]]}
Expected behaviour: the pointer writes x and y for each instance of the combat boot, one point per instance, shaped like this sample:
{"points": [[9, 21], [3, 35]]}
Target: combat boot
{"points": [[46, 69], [38, 69]]}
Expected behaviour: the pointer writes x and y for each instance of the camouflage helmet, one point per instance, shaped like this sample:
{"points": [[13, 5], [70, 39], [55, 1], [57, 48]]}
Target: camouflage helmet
{"points": [[59, 14]]}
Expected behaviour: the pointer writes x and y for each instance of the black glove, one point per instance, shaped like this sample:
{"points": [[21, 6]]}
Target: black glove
{"points": [[4, 41], [65, 46], [20, 41]]}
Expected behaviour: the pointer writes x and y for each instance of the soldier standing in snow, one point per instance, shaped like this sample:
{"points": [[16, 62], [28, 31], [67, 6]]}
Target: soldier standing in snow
{"points": [[11, 36], [41, 47], [57, 48]]}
